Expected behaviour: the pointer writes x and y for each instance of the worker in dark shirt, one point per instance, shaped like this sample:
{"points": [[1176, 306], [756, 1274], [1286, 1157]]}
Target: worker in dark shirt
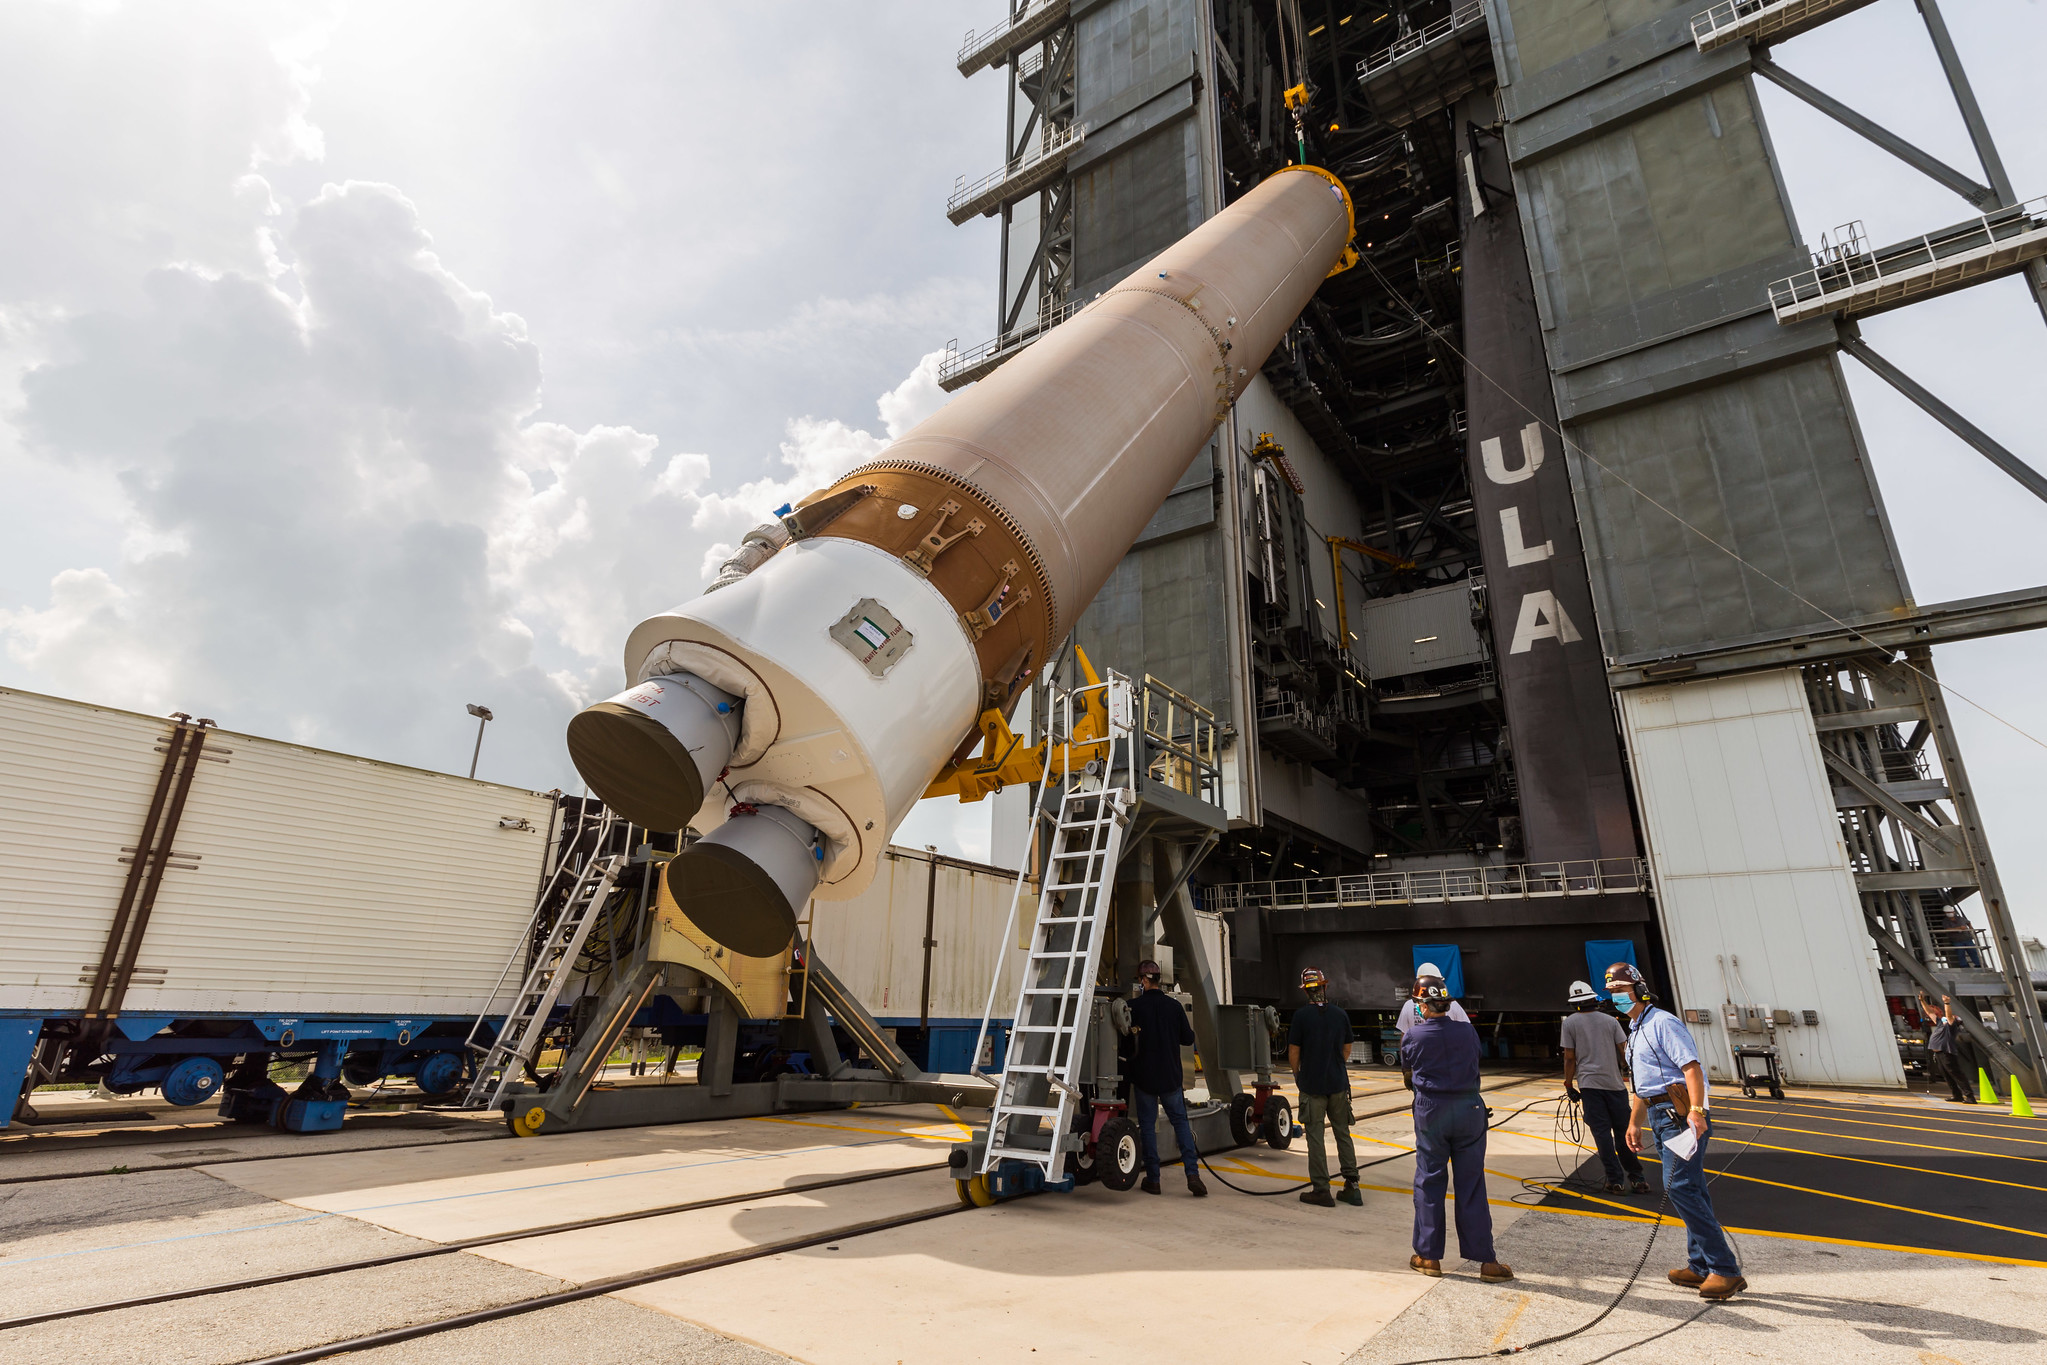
{"points": [[1160, 1029], [1317, 1048], [1440, 1055], [1944, 1045]]}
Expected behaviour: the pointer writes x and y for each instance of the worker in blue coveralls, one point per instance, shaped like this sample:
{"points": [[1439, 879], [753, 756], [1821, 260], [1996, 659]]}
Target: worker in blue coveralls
{"points": [[1156, 1082], [1440, 1056], [1670, 1091]]}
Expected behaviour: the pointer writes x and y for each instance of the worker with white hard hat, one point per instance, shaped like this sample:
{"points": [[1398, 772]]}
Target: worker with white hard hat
{"points": [[1595, 1076], [1411, 1008]]}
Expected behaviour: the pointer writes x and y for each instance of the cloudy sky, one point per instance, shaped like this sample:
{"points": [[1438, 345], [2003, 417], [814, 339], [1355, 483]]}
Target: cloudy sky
{"points": [[360, 361]]}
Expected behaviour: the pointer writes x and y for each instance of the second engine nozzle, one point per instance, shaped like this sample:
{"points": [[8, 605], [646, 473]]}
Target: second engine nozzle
{"points": [[744, 882], [652, 751]]}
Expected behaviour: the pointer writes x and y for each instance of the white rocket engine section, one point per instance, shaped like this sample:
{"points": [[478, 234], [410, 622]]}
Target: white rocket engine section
{"points": [[829, 674]]}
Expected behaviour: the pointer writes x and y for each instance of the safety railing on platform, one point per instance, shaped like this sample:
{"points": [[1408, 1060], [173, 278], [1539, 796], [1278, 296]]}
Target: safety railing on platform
{"points": [[1849, 277], [1056, 142], [1182, 743], [1738, 20], [1464, 16], [978, 48], [1513, 881], [957, 363]]}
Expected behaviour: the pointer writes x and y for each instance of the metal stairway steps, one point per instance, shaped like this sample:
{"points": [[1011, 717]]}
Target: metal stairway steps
{"points": [[1036, 1098], [525, 1023]]}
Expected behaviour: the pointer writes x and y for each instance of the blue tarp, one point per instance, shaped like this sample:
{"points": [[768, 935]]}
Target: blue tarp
{"points": [[1601, 953], [1445, 956]]}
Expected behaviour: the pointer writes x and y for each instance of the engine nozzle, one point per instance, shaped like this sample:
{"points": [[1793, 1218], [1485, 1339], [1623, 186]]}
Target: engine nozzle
{"points": [[651, 752]]}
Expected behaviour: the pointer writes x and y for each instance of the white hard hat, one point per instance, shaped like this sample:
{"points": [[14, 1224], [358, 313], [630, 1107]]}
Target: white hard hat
{"points": [[1583, 994], [1428, 969]]}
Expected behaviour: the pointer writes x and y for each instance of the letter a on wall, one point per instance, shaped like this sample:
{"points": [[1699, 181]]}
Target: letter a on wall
{"points": [[1541, 619]]}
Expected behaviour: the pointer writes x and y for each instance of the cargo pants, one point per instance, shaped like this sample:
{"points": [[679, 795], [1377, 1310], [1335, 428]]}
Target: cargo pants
{"points": [[1333, 1109]]}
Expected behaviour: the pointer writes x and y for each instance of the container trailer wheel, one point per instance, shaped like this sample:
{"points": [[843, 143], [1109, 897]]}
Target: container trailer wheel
{"points": [[525, 1124], [363, 1068], [192, 1081]]}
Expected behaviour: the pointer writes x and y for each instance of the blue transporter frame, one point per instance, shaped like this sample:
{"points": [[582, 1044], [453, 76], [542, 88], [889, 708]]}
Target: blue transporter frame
{"points": [[198, 1057]]}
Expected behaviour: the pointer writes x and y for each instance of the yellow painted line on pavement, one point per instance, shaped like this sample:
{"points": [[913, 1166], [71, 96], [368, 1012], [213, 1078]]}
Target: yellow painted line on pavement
{"points": [[1788, 1236], [1512, 1318], [1907, 1128], [849, 1128], [1895, 1142], [964, 1126], [1802, 1151]]}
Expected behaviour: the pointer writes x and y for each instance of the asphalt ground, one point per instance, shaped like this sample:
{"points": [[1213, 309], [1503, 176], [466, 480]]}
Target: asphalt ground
{"points": [[1954, 1181]]}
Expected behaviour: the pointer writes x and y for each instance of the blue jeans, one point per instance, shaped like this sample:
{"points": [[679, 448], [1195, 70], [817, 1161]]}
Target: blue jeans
{"points": [[1449, 1133], [1607, 1115], [1706, 1249], [1175, 1104]]}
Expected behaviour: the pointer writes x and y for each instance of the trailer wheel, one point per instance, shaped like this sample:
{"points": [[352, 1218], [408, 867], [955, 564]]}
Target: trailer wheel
{"points": [[1279, 1123], [1243, 1130], [1119, 1153]]}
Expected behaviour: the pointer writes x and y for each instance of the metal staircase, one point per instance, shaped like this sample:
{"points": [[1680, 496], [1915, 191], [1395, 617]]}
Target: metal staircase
{"points": [[1041, 1071], [526, 1022]]}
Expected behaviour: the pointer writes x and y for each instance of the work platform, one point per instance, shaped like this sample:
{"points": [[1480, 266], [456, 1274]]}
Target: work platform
{"points": [[1852, 281]]}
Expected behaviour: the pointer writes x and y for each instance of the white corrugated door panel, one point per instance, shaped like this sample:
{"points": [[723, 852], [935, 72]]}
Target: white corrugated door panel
{"points": [[75, 783], [324, 884], [1754, 892]]}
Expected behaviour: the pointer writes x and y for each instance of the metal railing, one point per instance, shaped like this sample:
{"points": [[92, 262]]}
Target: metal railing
{"points": [[1991, 241], [1514, 881], [1055, 142], [1464, 16], [1288, 707], [958, 362], [1182, 742], [1736, 19], [977, 44]]}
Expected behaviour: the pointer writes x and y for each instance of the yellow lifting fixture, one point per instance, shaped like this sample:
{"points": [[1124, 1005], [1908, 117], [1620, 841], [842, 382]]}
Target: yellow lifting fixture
{"points": [[1337, 545], [1005, 759]]}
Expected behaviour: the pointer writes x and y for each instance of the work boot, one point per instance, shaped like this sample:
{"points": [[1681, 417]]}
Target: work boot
{"points": [[1722, 1286], [1352, 1195], [1194, 1185], [1150, 1185], [1640, 1187], [1613, 1187], [1492, 1272], [1422, 1265], [1684, 1277], [1319, 1197]]}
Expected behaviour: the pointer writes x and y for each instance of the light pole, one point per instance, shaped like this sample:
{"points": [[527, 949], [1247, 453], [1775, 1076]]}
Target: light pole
{"points": [[483, 718]]}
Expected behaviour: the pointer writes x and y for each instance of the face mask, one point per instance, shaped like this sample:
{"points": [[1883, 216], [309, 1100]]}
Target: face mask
{"points": [[1623, 1000]]}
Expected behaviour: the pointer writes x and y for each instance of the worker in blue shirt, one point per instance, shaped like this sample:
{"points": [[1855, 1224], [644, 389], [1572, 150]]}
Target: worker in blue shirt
{"points": [[1670, 1091], [1440, 1056]]}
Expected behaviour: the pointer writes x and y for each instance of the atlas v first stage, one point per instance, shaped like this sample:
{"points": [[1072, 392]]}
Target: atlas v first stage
{"points": [[844, 654]]}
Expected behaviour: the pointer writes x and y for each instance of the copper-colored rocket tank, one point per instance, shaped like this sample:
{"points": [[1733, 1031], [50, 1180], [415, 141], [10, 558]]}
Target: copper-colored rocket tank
{"points": [[1030, 486]]}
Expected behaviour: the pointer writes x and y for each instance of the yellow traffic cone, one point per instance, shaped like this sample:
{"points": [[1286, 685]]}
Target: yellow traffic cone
{"points": [[2021, 1107], [1986, 1093]]}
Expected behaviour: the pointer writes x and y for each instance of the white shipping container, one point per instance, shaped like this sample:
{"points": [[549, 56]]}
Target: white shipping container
{"points": [[304, 882], [1753, 887], [875, 941]]}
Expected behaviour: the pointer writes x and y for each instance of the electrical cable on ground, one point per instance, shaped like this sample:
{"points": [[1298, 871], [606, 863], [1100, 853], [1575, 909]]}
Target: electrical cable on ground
{"points": [[1586, 455]]}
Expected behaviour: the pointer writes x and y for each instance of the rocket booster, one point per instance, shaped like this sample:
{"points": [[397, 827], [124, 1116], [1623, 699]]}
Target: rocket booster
{"points": [[797, 710]]}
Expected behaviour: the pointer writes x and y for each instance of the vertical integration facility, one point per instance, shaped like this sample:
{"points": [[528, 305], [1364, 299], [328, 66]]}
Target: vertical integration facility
{"points": [[1540, 581]]}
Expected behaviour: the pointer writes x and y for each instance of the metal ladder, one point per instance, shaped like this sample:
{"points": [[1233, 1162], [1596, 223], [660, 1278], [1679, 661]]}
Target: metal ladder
{"points": [[524, 1025], [1041, 1071]]}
